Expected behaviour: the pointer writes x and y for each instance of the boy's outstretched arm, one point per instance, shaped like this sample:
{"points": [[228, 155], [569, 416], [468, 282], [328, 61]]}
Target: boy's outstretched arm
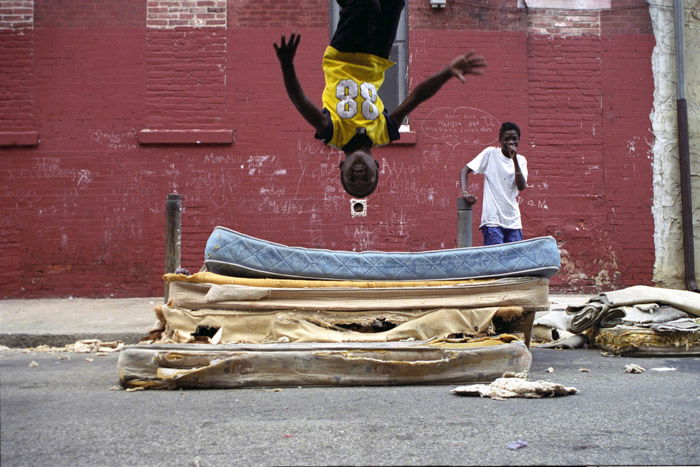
{"points": [[285, 54], [467, 64]]}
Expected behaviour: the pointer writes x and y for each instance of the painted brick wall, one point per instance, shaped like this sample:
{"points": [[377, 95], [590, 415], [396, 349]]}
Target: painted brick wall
{"points": [[185, 78], [82, 212], [564, 118], [16, 90], [255, 14], [16, 56]]}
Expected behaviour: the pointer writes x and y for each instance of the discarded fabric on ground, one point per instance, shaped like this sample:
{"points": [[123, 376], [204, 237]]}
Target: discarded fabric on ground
{"points": [[636, 321], [506, 388]]}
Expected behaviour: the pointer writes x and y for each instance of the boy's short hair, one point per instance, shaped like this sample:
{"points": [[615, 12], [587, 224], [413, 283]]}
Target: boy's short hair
{"points": [[507, 126]]}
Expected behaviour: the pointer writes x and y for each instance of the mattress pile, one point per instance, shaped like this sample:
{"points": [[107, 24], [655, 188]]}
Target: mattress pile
{"points": [[636, 321], [256, 323]]}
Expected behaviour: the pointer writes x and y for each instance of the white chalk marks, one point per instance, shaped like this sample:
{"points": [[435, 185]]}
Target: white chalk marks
{"points": [[50, 167], [116, 141], [461, 125]]}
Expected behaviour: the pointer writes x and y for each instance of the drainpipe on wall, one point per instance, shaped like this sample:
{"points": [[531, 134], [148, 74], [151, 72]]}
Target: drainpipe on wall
{"points": [[684, 153]]}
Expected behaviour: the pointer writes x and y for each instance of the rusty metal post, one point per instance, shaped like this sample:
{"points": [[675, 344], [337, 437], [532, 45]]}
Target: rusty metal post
{"points": [[464, 223], [173, 236]]}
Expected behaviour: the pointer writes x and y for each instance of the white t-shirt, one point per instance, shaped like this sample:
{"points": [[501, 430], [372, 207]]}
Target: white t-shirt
{"points": [[500, 200]]}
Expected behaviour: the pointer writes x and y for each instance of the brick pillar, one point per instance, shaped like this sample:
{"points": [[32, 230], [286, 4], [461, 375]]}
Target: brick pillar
{"points": [[565, 119]]}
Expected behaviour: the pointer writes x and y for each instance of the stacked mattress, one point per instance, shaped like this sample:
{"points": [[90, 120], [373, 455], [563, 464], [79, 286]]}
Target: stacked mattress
{"points": [[266, 314]]}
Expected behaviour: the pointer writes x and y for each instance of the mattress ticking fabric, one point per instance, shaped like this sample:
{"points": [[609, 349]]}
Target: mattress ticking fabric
{"points": [[232, 253]]}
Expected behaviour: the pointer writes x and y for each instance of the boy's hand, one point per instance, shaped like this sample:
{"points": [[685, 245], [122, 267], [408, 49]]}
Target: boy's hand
{"points": [[287, 49], [512, 150], [471, 199], [467, 64]]}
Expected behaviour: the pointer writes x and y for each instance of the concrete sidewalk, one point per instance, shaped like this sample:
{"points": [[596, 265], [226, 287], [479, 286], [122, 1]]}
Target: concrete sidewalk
{"points": [[61, 321]]}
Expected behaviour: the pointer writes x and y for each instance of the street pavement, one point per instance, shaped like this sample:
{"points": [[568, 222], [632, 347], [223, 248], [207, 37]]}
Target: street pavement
{"points": [[67, 408]]}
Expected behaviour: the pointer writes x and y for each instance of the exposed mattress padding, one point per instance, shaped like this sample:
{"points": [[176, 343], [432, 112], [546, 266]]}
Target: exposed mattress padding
{"points": [[644, 342], [278, 365], [227, 326], [235, 254]]}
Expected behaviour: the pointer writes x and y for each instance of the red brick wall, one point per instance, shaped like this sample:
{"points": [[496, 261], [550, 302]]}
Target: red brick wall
{"points": [[82, 212]]}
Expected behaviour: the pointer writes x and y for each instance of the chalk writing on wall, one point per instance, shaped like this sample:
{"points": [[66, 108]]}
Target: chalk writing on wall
{"points": [[256, 162], [461, 126], [115, 141], [50, 167], [362, 235], [534, 203], [212, 158]]}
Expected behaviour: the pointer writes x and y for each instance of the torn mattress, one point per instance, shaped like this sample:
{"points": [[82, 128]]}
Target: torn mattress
{"points": [[220, 309], [280, 365]]}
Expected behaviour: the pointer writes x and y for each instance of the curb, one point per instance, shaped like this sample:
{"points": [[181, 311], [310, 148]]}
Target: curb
{"points": [[23, 341]]}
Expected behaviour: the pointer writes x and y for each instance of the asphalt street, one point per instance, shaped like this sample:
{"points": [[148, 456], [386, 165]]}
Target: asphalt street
{"points": [[67, 409]]}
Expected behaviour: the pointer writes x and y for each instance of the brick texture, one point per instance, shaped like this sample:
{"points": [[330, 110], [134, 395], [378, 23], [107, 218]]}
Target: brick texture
{"points": [[92, 14], [82, 213], [16, 79], [185, 78], [16, 14], [626, 17], [171, 14], [258, 14], [564, 22]]}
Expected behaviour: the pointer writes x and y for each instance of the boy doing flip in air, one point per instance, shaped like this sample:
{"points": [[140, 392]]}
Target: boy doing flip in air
{"points": [[505, 175], [353, 118]]}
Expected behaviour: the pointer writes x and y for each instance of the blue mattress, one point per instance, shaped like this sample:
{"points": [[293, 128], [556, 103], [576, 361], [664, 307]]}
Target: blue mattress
{"points": [[232, 253]]}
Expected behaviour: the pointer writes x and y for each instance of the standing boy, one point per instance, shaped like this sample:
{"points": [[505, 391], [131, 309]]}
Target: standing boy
{"points": [[353, 118], [505, 175]]}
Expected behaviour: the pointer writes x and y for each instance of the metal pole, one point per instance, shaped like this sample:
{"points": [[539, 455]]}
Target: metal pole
{"points": [[464, 223], [173, 236], [684, 152]]}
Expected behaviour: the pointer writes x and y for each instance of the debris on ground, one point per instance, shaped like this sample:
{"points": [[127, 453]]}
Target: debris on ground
{"points": [[81, 346], [33, 364], [95, 345], [504, 388], [632, 368], [517, 444], [664, 368], [584, 370], [637, 321], [511, 374]]}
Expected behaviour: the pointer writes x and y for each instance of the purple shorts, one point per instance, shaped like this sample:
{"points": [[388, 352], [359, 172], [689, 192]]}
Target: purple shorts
{"points": [[498, 235]]}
